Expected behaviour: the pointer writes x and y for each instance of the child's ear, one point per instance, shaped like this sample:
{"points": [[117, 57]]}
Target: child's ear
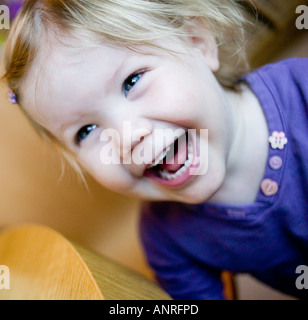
{"points": [[202, 39]]}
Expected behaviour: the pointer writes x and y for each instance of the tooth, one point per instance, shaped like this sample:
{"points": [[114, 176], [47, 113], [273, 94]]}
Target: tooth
{"points": [[183, 169], [167, 175], [187, 164], [163, 174], [161, 157], [178, 173], [164, 154]]}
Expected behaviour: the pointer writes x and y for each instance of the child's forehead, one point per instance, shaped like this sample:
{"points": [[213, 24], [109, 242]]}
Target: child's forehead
{"points": [[74, 53], [75, 47], [57, 61], [68, 55]]}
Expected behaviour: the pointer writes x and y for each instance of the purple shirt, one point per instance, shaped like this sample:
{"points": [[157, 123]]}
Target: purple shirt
{"points": [[189, 245]]}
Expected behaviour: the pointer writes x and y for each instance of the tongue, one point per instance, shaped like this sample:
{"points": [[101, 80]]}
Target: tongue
{"points": [[175, 160]]}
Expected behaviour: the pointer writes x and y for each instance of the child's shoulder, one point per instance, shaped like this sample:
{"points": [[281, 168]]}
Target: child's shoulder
{"points": [[293, 67], [286, 80], [293, 62]]}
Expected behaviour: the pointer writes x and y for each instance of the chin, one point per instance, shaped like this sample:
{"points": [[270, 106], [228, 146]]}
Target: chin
{"points": [[201, 189]]}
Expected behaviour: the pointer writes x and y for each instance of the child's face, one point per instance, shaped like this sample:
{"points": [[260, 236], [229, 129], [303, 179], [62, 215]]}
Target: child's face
{"points": [[80, 95]]}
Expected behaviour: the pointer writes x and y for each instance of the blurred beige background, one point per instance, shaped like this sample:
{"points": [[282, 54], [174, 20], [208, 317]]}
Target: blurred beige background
{"points": [[31, 190]]}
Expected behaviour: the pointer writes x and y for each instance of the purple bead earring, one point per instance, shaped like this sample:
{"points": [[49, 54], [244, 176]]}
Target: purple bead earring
{"points": [[12, 96]]}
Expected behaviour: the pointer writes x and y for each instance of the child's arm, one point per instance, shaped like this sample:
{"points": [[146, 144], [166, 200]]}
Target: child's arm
{"points": [[182, 277], [189, 281]]}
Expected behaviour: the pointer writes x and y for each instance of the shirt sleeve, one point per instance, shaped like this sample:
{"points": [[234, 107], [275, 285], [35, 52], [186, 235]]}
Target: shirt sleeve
{"points": [[181, 276]]}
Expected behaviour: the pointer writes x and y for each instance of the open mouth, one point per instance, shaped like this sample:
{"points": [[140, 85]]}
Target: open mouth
{"points": [[172, 166]]}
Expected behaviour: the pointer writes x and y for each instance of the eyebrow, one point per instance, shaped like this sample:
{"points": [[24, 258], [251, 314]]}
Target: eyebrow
{"points": [[115, 74], [107, 89], [71, 122]]}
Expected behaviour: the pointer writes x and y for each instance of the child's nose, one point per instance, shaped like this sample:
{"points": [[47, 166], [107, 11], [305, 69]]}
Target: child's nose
{"points": [[134, 132], [138, 135]]}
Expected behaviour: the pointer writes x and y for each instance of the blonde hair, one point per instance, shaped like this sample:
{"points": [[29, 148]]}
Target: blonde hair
{"points": [[128, 23]]}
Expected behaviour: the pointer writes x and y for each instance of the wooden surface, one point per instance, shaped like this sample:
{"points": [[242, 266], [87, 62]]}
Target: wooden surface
{"points": [[44, 265]]}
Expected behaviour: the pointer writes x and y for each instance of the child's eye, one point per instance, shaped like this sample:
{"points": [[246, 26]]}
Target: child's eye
{"points": [[130, 82], [84, 132]]}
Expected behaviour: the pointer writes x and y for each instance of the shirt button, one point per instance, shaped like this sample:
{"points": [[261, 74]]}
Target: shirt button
{"points": [[275, 162], [269, 187], [278, 140]]}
